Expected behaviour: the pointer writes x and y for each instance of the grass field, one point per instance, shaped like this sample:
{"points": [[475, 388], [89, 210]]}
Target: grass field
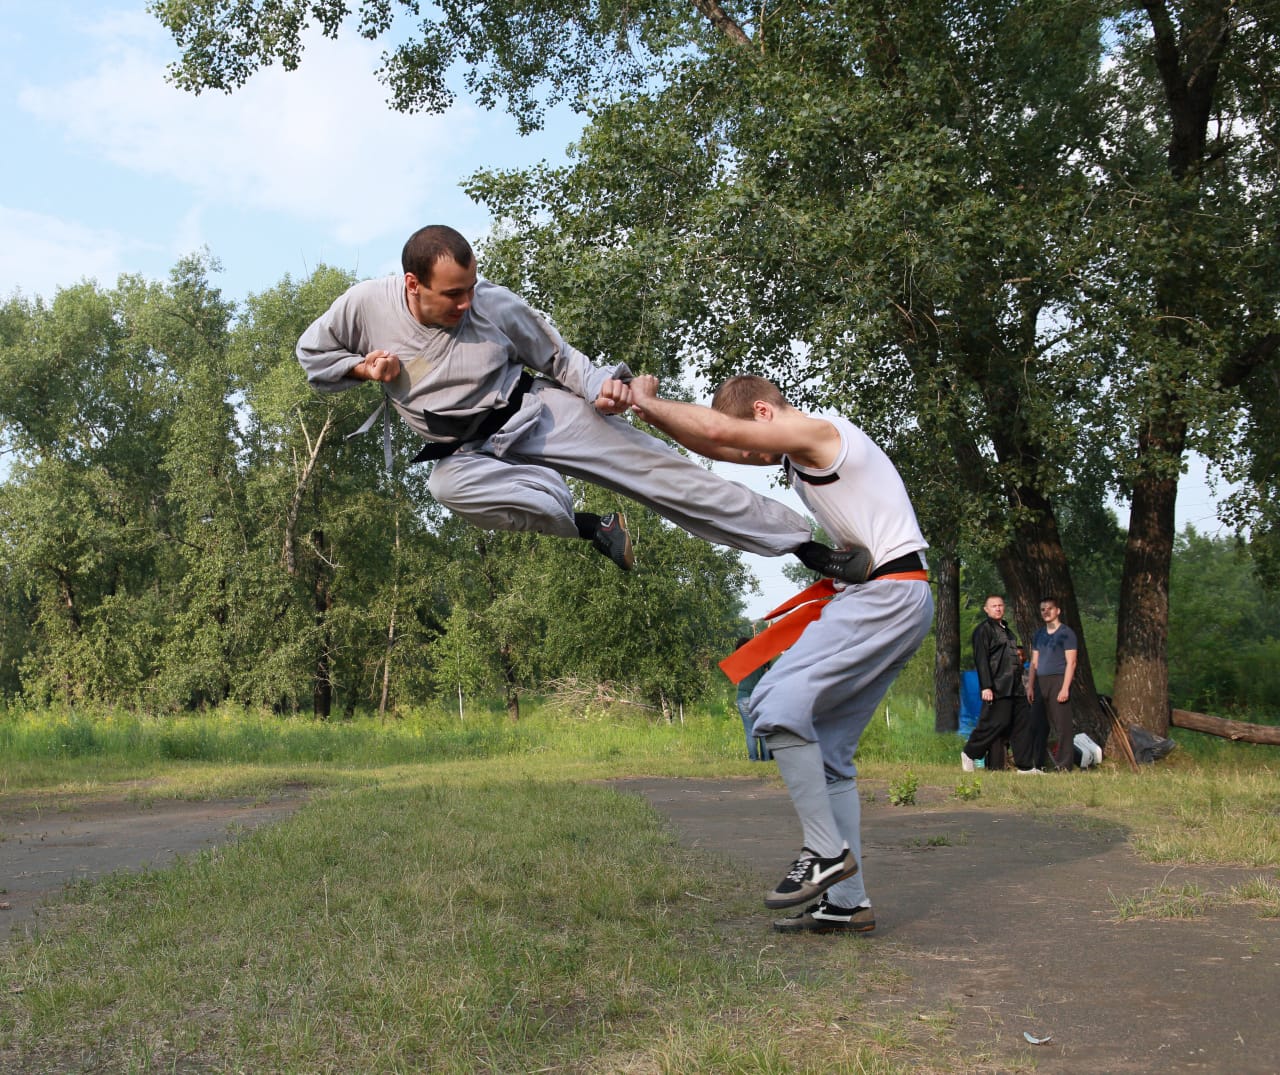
{"points": [[466, 897]]}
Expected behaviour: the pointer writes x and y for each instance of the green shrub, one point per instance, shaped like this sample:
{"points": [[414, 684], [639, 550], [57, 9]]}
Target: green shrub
{"points": [[902, 791]]}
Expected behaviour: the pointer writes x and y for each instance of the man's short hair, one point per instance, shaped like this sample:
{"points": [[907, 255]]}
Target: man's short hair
{"points": [[428, 245], [737, 396], [1050, 601]]}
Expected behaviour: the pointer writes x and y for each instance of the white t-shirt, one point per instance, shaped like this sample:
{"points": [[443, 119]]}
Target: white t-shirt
{"points": [[860, 499]]}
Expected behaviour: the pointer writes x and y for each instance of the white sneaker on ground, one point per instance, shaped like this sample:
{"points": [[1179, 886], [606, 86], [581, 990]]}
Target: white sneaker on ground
{"points": [[826, 917], [966, 762]]}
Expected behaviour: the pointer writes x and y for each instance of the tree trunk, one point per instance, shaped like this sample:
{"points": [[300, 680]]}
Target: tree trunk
{"points": [[509, 684], [1188, 64], [288, 553], [322, 685], [391, 624], [946, 655], [1142, 628], [385, 695]]}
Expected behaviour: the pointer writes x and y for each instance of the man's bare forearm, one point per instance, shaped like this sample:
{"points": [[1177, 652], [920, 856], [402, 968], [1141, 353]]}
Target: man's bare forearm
{"points": [[687, 423]]}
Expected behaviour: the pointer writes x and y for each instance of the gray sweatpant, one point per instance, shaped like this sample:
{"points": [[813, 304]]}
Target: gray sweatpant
{"points": [[814, 704], [513, 480]]}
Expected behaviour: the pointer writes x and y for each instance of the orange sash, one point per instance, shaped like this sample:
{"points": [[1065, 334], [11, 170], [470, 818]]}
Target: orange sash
{"points": [[800, 611]]}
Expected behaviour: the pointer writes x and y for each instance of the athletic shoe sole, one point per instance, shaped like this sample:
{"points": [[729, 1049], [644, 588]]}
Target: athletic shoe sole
{"points": [[863, 921], [607, 540]]}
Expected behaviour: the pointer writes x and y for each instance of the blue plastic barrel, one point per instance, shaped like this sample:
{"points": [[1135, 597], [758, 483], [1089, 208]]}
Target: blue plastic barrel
{"points": [[970, 702]]}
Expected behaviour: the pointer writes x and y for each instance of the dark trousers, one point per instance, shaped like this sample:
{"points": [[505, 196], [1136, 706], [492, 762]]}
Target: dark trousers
{"points": [[1006, 718], [1059, 714], [1039, 734]]}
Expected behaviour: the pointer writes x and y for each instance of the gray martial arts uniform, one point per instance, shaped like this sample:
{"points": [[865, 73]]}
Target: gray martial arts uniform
{"points": [[451, 379], [813, 705]]}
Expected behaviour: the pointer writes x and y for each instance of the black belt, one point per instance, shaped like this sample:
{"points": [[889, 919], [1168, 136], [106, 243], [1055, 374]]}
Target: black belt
{"points": [[483, 430], [910, 562]]}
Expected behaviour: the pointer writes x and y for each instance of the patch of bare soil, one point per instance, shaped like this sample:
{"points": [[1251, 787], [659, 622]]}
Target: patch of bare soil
{"points": [[43, 849], [1005, 925]]}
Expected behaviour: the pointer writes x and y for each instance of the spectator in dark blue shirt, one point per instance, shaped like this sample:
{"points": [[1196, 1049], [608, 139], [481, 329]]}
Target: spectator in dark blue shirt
{"points": [[1053, 666]]}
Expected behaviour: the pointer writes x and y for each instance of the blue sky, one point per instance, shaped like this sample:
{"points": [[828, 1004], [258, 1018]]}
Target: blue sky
{"points": [[112, 170]]}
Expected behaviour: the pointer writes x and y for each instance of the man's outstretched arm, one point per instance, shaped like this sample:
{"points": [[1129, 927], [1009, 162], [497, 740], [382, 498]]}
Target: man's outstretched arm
{"points": [[688, 423], [706, 431]]}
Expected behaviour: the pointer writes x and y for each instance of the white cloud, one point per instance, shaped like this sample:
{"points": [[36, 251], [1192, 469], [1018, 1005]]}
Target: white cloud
{"points": [[189, 234], [310, 144], [46, 253]]}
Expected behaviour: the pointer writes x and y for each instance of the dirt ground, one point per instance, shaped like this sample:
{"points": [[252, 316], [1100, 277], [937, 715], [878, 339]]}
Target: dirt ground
{"points": [[1002, 925], [43, 850], [1009, 924]]}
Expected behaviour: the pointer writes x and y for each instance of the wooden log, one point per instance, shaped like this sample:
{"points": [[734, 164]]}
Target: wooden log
{"points": [[1268, 734]]}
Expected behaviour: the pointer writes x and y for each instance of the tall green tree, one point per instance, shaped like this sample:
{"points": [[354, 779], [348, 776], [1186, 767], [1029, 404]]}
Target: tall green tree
{"points": [[1184, 250], [864, 213], [1224, 632], [340, 583], [188, 323], [86, 400]]}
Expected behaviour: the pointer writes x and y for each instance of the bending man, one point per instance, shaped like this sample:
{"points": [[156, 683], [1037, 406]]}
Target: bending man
{"points": [[812, 706]]}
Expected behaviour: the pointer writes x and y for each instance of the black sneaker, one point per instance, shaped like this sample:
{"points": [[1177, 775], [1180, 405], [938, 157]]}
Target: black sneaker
{"points": [[826, 917], [612, 539], [847, 565], [810, 876]]}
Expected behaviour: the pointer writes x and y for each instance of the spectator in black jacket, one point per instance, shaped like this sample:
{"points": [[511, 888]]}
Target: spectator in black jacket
{"points": [[1005, 714]]}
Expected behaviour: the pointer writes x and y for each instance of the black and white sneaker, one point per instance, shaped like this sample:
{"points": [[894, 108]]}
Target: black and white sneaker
{"points": [[809, 877], [851, 565], [825, 917], [612, 539]]}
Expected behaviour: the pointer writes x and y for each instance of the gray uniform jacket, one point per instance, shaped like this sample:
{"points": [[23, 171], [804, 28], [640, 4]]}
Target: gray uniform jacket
{"points": [[449, 378]]}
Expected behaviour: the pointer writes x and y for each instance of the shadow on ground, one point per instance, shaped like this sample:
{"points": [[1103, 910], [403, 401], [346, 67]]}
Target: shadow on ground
{"points": [[1012, 925]]}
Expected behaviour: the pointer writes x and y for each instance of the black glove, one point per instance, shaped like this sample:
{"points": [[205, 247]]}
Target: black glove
{"points": [[847, 565]]}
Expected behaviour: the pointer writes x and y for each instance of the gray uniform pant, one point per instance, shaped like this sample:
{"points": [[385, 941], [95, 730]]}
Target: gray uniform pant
{"points": [[513, 480], [824, 690]]}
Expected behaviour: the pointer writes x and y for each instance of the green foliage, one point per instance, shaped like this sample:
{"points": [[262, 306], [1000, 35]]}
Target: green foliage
{"points": [[508, 51], [902, 789], [460, 660], [968, 789], [1005, 238], [543, 611], [1224, 632]]}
